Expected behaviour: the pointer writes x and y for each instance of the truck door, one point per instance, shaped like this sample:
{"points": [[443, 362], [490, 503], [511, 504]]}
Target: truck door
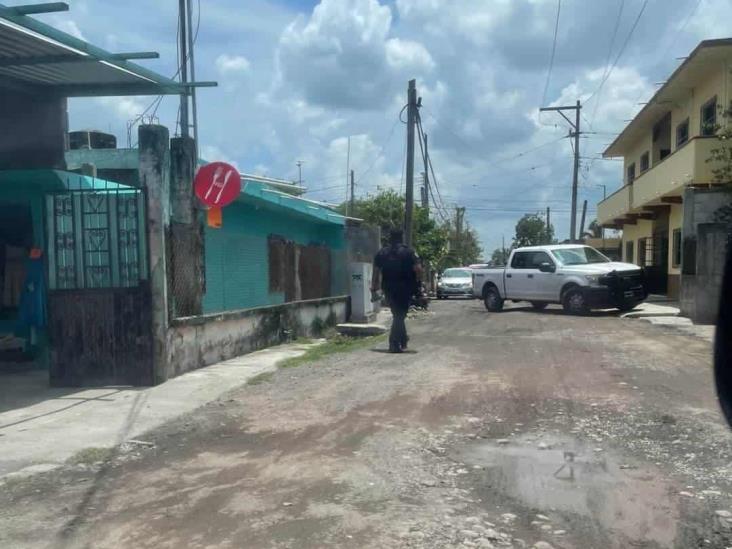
{"points": [[520, 277], [547, 284]]}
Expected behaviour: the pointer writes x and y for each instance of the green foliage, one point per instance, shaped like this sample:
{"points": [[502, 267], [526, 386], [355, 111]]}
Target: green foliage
{"points": [[433, 242], [531, 230], [337, 344], [594, 230], [721, 156], [500, 256]]}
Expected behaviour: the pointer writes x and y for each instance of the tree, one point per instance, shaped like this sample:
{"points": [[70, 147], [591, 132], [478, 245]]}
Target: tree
{"points": [[499, 256], [721, 156], [531, 230], [386, 211], [594, 230]]}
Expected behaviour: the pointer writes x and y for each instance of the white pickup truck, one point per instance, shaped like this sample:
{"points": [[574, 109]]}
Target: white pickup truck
{"points": [[576, 276]]}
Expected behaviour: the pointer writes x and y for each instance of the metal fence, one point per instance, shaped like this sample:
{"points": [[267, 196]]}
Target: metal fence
{"points": [[96, 238]]}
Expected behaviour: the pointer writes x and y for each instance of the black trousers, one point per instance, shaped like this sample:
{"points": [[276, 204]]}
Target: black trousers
{"points": [[399, 306]]}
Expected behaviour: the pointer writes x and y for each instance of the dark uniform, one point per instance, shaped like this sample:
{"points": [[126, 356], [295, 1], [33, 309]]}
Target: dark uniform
{"points": [[399, 282]]}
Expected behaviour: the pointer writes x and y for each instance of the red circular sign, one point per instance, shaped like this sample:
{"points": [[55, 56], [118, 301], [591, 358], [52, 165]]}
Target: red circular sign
{"points": [[217, 184]]}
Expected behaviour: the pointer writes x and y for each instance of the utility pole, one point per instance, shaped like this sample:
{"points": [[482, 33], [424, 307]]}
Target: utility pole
{"points": [[459, 215], [299, 164], [353, 195], [574, 132], [191, 61], [582, 223], [548, 226], [411, 121], [182, 32], [426, 200], [504, 256], [423, 193]]}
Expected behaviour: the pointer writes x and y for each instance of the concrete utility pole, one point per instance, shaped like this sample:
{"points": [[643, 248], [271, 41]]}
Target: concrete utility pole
{"points": [[191, 61], [411, 121], [575, 133], [353, 196], [426, 199], [299, 172], [183, 45], [582, 223], [423, 194], [459, 216], [548, 226]]}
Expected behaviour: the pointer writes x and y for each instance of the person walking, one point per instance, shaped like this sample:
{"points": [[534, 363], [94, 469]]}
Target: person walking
{"points": [[397, 271]]}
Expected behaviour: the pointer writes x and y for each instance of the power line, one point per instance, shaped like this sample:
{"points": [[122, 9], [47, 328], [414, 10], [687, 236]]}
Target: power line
{"points": [[622, 50], [609, 54], [554, 49]]}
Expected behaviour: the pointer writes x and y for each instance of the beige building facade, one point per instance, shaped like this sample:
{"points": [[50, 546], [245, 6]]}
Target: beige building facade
{"points": [[666, 151]]}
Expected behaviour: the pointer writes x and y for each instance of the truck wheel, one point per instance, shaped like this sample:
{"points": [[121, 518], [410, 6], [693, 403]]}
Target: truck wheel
{"points": [[574, 302], [492, 300], [626, 306], [539, 305]]}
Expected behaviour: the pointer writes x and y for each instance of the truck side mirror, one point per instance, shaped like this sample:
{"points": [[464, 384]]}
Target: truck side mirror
{"points": [[547, 267]]}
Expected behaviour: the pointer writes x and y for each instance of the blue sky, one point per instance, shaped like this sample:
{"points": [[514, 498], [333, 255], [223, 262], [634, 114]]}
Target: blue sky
{"points": [[297, 77]]}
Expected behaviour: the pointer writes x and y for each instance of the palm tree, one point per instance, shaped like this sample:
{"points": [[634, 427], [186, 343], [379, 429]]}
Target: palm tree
{"points": [[594, 230]]}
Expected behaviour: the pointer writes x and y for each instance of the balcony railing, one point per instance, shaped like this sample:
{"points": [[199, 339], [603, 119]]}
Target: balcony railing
{"points": [[668, 177], [614, 206]]}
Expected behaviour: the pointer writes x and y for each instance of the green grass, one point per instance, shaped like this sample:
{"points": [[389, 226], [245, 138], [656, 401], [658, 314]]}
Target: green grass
{"points": [[264, 377], [89, 456], [337, 344]]}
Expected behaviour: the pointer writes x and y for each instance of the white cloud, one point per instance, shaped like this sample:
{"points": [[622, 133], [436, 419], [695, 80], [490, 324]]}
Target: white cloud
{"points": [[212, 153], [407, 54], [232, 64], [69, 26]]}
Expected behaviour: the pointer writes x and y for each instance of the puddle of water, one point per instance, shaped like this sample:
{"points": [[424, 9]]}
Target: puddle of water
{"points": [[572, 477]]}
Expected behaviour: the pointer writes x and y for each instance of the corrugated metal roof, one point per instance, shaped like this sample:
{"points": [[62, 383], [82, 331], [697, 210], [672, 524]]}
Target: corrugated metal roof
{"points": [[35, 55]]}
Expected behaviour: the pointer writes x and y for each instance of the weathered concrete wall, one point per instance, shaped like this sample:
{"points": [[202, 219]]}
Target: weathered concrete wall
{"points": [[185, 241], [199, 341], [154, 174], [34, 129], [707, 222]]}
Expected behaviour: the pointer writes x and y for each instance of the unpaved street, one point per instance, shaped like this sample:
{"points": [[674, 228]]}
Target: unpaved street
{"points": [[497, 430]]}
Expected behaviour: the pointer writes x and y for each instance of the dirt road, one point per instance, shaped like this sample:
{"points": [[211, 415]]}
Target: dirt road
{"points": [[518, 429]]}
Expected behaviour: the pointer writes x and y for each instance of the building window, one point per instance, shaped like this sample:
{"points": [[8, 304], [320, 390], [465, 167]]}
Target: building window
{"points": [[676, 248], [629, 252], [644, 162], [682, 133], [709, 117], [631, 173]]}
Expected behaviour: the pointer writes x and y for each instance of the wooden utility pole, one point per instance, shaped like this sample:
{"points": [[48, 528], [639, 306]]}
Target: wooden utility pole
{"points": [[183, 45], [574, 132], [548, 226], [353, 195], [426, 200], [411, 122], [459, 215], [582, 223], [192, 65]]}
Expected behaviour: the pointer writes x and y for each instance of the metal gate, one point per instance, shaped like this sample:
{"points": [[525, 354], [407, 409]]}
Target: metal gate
{"points": [[653, 257], [99, 306]]}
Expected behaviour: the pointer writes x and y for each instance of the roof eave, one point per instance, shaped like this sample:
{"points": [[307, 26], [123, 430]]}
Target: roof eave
{"points": [[613, 150]]}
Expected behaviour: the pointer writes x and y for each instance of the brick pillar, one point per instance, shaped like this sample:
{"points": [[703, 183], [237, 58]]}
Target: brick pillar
{"points": [[154, 177]]}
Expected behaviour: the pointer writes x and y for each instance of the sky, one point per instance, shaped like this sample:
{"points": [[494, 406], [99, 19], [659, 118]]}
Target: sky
{"points": [[299, 79]]}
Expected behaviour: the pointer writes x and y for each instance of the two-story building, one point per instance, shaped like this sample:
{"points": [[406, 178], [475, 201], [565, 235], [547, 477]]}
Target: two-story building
{"points": [[671, 184]]}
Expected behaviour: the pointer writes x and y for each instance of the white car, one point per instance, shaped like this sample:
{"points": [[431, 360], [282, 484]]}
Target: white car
{"points": [[455, 282], [576, 276]]}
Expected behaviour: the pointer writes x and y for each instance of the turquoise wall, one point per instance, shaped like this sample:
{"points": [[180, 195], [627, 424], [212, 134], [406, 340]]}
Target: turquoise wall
{"points": [[237, 266]]}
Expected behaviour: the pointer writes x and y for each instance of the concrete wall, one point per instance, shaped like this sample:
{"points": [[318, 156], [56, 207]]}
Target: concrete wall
{"points": [[33, 131], [237, 261], [706, 220], [642, 229], [199, 341]]}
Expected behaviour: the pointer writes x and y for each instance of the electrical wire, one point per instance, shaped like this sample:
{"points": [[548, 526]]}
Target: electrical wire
{"points": [[554, 50], [620, 53], [607, 60]]}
